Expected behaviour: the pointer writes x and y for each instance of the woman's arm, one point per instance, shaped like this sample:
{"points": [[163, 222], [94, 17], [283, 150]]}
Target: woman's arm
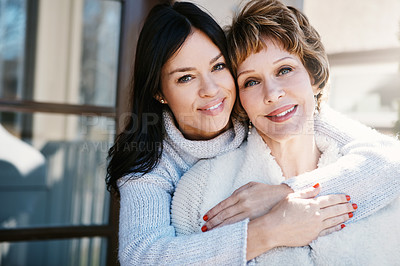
{"points": [[368, 171], [146, 235]]}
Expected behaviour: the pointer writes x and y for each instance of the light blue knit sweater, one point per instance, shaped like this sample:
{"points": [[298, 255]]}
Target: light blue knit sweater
{"points": [[146, 236]]}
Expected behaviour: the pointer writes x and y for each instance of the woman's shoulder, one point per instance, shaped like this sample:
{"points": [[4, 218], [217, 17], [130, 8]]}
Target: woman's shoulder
{"points": [[206, 171], [165, 174], [332, 123], [201, 188]]}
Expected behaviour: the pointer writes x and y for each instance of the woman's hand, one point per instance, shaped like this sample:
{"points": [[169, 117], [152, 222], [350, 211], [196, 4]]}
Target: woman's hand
{"points": [[296, 221], [249, 201]]}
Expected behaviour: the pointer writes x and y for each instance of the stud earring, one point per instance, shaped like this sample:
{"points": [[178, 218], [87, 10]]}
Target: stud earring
{"points": [[162, 101], [250, 127]]}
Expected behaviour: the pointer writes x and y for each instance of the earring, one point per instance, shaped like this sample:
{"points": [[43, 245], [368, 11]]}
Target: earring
{"points": [[162, 101], [315, 105], [250, 127]]}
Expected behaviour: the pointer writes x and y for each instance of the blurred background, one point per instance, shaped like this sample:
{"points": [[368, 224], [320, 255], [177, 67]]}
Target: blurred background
{"points": [[64, 70]]}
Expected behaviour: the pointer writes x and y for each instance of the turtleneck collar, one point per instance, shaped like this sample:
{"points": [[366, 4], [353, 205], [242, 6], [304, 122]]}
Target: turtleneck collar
{"points": [[203, 149]]}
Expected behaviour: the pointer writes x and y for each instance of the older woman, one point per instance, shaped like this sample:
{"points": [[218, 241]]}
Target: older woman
{"points": [[282, 70]]}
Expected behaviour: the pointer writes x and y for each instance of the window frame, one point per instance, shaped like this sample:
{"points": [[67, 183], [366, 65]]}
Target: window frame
{"points": [[132, 15]]}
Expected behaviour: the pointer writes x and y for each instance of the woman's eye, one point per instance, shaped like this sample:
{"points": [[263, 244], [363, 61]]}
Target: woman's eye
{"points": [[185, 79], [284, 71], [219, 66], [250, 83]]}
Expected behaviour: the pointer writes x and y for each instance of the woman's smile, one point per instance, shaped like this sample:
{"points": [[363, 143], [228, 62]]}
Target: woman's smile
{"points": [[282, 114], [214, 107]]}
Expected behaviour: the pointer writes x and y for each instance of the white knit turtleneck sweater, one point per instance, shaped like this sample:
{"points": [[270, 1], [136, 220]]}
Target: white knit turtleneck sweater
{"points": [[146, 236], [373, 240]]}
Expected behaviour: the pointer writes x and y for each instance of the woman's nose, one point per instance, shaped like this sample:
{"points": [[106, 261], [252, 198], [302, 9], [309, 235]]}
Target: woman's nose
{"points": [[272, 92], [209, 87]]}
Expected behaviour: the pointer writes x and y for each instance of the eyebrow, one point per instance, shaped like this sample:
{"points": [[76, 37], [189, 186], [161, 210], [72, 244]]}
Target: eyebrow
{"points": [[215, 58], [184, 69], [244, 72], [281, 59], [275, 62]]}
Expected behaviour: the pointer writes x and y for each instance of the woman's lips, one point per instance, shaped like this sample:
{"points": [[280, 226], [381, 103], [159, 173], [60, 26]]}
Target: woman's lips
{"points": [[282, 114], [213, 108]]}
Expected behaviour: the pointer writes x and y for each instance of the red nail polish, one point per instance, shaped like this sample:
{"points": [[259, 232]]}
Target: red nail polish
{"points": [[342, 226], [355, 206], [316, 185], [204, 228], [350, 215], [348, 197], [205, 217]]}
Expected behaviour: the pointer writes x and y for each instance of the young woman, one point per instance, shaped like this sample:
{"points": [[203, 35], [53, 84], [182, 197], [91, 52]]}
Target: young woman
{"points": [[182, 96], [282, 71]]}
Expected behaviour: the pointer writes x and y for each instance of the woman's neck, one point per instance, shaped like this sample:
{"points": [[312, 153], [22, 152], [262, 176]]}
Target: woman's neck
{"points": [[296, 155]]}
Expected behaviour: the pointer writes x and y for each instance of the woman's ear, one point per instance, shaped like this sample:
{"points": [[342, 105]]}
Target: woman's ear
{"points": [[160, 98]]}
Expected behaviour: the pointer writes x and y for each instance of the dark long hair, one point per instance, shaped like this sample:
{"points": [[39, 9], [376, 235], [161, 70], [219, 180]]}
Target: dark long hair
{"points": [[138, 148]]}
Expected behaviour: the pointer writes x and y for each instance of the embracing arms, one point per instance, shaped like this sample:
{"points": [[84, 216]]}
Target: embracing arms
{"points": [[146, 235], [368, 171]]}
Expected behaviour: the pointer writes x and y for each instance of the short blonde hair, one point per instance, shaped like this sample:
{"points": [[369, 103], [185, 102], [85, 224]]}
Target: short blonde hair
{"points": [[285, 25]]}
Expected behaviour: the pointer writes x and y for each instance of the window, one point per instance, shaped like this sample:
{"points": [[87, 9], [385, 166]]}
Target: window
{"points": [[364, 54], [64, 70]]}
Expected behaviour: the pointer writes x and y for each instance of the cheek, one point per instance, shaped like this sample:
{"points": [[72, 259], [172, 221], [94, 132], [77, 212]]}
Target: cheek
{"points": [[227, 82], [166, 90], [178, 97], [180, 104], [248, 101], [303, 89]]}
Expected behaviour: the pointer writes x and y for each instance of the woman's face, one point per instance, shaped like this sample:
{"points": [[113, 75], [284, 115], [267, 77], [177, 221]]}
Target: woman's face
{"points": [[198, 88], [276, 91]]}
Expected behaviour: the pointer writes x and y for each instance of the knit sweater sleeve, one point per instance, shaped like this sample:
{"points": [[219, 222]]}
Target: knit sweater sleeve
{"points": [[368, 171], [148, 238]]}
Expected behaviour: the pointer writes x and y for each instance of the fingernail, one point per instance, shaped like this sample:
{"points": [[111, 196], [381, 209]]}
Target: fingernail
{"points": [[348, 197], [204, 228], [342, 226], [316, 185], [355, 206], [350, 215], [205, 217]]}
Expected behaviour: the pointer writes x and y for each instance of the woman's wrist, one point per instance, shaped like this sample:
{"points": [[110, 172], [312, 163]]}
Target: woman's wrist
{"points": [[280, 192], [260, 236], [285, 190]]}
